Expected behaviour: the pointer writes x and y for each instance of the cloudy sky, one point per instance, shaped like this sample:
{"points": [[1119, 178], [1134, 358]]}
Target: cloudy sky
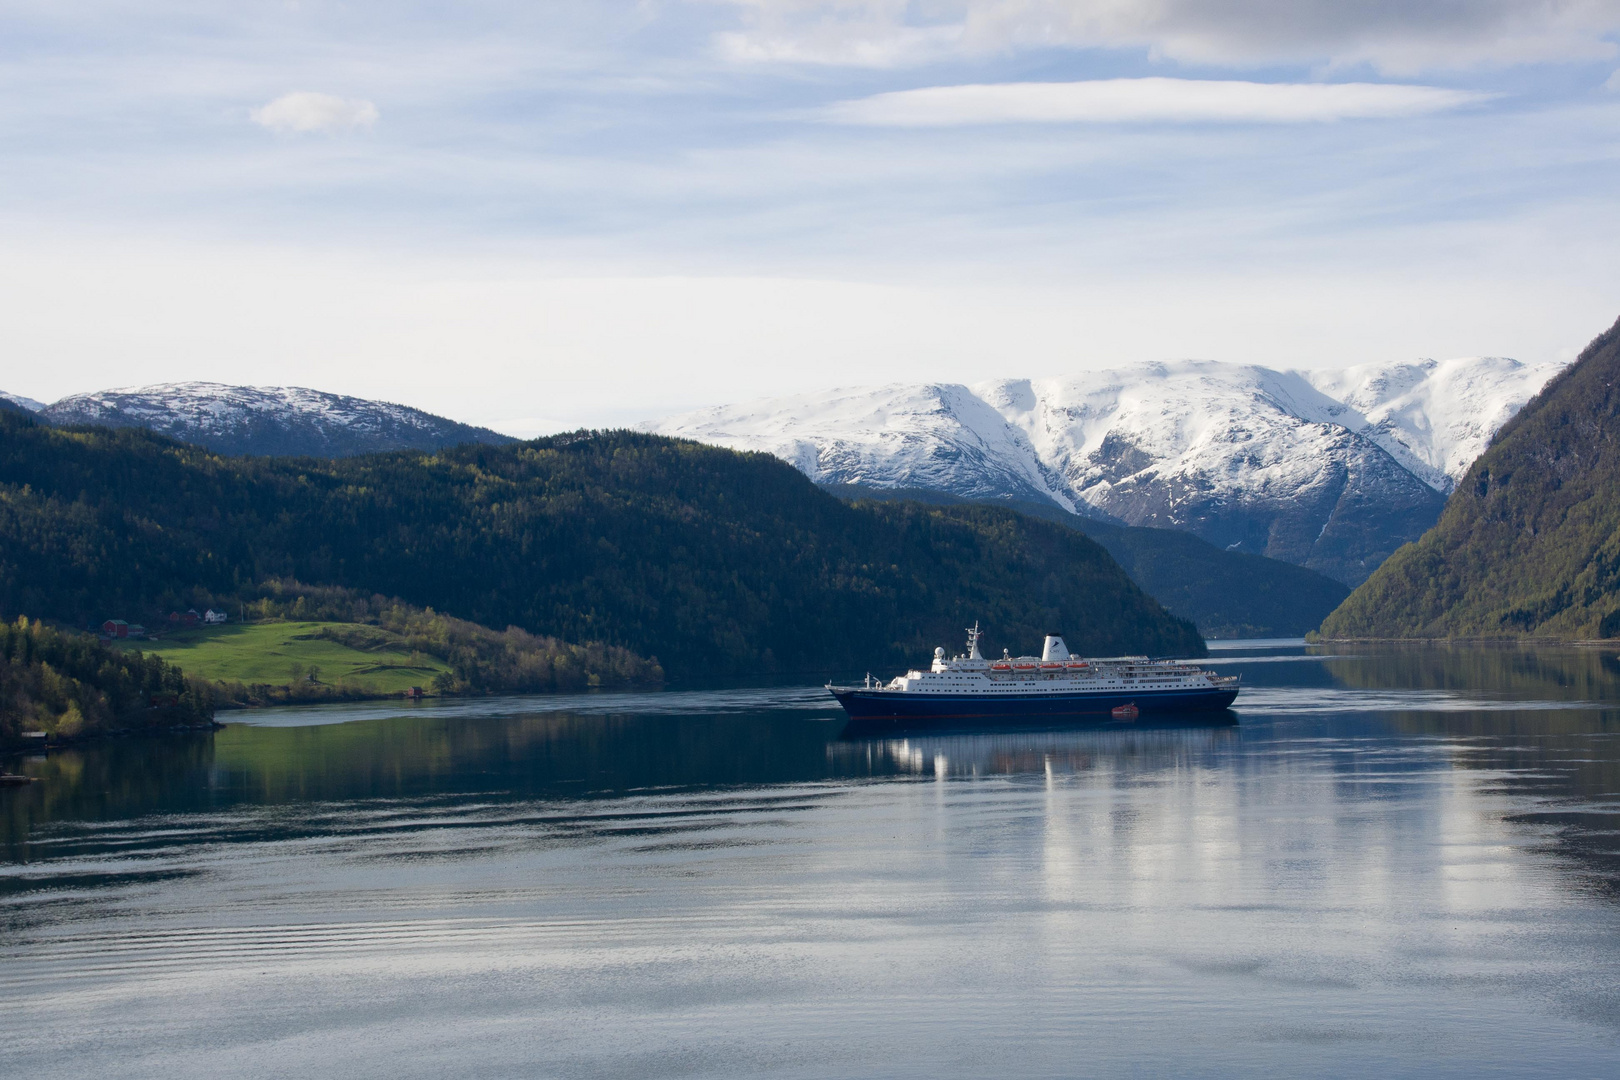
{"points": [[546, 214]]}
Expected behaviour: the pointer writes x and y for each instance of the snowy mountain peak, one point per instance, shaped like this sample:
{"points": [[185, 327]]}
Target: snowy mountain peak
{"points": [[280, 420], [24, 402], [937, 435], [1434, 416], [1328, 469]]}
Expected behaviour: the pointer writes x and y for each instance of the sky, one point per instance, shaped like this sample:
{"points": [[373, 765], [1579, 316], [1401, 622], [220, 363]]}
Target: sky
{"points": [[551, 214]]}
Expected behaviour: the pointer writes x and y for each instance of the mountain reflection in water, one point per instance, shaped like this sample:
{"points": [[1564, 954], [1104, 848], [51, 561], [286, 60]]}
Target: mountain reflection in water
{"points": [[1399, 861]]}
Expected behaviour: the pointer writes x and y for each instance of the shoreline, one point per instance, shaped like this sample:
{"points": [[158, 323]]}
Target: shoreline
{"points": [[1595, 643], [35, 745]]}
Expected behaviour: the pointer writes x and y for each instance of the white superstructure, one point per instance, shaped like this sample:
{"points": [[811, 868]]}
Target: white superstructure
{"points": [[1055, 671]]}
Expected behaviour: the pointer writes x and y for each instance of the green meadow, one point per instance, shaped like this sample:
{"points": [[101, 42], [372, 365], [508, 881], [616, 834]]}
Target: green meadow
{"points": [[284, 653]]}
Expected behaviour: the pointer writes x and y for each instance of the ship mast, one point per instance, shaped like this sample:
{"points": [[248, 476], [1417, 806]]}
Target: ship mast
{"points": [[973, 641]]}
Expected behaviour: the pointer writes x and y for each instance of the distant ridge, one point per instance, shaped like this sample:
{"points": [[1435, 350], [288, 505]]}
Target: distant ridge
{"points": [[288, 421], [1226, 594], [1529, 543]]}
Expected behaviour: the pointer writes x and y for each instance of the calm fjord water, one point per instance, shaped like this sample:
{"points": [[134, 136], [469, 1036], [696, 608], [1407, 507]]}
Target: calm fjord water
{"points": [[1397, 862]]}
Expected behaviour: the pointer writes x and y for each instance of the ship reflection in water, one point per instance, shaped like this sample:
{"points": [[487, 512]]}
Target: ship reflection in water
{"points": [[1396, 863], [1069, 749]]}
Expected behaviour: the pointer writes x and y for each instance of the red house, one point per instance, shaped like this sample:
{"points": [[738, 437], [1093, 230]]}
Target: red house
{"points": [[116, 628]]}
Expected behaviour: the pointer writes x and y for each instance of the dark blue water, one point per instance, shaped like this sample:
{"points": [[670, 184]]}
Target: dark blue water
{"points": [[1399, 862]]}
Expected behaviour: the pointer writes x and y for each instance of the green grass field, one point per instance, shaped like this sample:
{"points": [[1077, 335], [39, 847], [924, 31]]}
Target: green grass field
{"points": [[282, 653]]}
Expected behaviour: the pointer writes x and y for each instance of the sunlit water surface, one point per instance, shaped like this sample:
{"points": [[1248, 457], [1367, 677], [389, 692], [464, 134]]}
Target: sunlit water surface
{"points": [[1398, 862]]}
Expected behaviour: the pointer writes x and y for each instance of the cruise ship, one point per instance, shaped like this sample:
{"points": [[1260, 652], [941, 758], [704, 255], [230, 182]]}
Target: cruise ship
{"points": [[1053, 685]]}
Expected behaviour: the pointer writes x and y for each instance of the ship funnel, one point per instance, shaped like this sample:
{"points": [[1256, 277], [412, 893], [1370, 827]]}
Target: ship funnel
{"points": [[1054, 649]]}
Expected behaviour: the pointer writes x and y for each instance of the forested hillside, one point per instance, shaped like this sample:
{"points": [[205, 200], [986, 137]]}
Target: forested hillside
{"points": [[1225, 594], [68, 685], [714, 562], [1529, 543]]}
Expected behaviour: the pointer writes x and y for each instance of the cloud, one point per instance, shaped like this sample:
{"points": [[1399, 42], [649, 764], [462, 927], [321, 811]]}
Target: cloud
{"points": [[1118, 101], [1409, 36], [874, 47], [304, 111]]}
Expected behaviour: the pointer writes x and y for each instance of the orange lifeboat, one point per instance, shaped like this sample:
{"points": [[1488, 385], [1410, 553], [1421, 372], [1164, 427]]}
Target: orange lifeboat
{"points": [[1125, 712]]}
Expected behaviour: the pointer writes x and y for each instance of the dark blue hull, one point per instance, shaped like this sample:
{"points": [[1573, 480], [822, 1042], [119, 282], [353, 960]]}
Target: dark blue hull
{"points": [[892, 705]]}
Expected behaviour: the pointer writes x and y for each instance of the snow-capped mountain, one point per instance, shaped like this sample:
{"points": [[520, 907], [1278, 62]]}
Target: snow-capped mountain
{"points": [[23, 402], [1331, 470], [1434, 416], [940, 437], [267, 420]]}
